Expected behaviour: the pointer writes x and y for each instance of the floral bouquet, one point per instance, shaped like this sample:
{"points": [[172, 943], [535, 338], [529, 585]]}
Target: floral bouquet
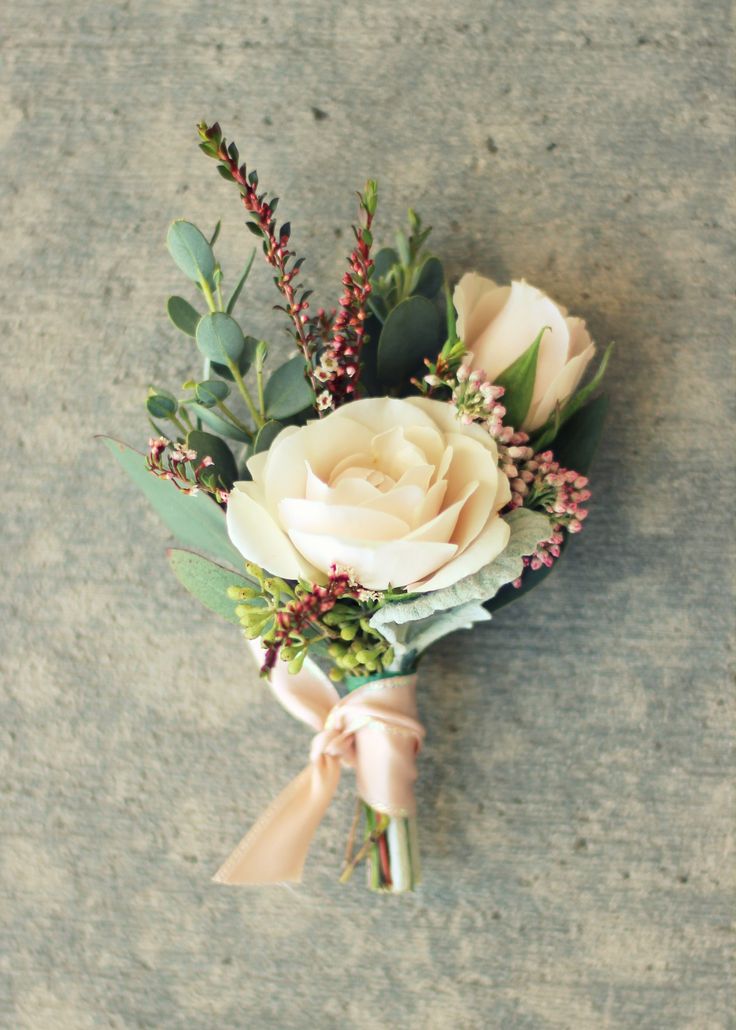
{"points": [[418, 463]]}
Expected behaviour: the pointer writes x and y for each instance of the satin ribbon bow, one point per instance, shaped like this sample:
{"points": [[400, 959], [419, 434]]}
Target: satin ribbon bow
{"points": [[374, 729]]}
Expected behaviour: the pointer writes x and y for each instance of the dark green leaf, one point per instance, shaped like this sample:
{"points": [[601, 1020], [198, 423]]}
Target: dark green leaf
{"points": [[383, 262], [220, 337], [183, 315], [216, 233], [220, 425], [577, 441], [208, 446], [431, 278], [288, 390], [191, 251], [233, 298], [207, 581], [547, 433], [410, 334], [518, 381], [196, 520], [266, 436]]}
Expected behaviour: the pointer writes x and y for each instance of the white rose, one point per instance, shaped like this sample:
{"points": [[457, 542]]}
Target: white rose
{"points": [[498, 323], [398, 491]]}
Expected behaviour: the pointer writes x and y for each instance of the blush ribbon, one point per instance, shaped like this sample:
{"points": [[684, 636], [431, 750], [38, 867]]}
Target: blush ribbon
{"points": [[373, 729]]}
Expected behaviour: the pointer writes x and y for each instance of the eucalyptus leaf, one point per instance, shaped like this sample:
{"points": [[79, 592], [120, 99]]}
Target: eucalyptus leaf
{"points": [[233, 298], [518, 382], [191, 252], [161, 404], [208, 446], [219, 337], [207, 581], [288, 391], [431, 278], [220, 425], [244, 362], [183, 315], [266, 436], [210, 391], [410, 334], [528, 529], [195, 519]]}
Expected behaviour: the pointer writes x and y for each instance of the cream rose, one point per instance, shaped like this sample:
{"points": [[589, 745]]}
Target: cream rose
{"points": [[398, 491], [498, 323]]}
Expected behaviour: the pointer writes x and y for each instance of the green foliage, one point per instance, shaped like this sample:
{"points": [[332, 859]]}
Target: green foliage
{"points": [[220, 338], [410, 334], [550, 429], [208, 582], [266, 436], [218, 423], [191, 252], [288, 391], [210, 391], [161, 404], [196, 520], [518, 381], [578, 440], [233, 298], [183, 315], [430, 277], [207, 445], [244, 362]]}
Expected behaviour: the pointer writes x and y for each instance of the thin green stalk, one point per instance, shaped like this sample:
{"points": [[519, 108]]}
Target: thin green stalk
{"points": [[234, 418], [207, 291], [254, 413], [261, 394]]}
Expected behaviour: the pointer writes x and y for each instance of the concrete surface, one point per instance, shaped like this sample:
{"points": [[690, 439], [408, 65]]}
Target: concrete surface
{"points": [[576, 791]]}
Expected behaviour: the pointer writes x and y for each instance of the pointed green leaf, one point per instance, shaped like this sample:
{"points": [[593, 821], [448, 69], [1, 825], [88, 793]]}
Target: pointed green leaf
{"points": [[219, 337], [430, 279], [548, 432], [216, 233], [191, 251], [220, 425], [288, 391], [410, 334], [577, 441], [518, 381], [233, 298], [207, 581], [183, 315], [196, 520], [208, 446]]}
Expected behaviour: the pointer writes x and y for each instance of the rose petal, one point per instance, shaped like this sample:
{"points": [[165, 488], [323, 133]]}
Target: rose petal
{"points": [[340, 520], [259, 538], [560, 389], [485, 548]]}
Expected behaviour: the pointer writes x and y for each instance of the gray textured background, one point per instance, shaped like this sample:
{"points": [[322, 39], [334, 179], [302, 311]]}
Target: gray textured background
{"points": [[575, 793]]}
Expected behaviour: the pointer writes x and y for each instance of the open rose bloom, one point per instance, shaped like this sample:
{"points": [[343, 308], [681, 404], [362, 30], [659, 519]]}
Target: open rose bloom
{"points": [[498, 323], [399, 492], [395, 480]]}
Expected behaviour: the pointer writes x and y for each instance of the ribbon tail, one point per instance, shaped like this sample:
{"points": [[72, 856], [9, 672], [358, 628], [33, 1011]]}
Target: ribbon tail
{"points": [[275, 848]]}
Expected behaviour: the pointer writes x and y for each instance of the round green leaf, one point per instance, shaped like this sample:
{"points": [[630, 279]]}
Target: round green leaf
{"points": [[191, 251], [410, 334], [183, 315], [219, 337], [288, 391], [161, 404], [383, 262], [207, 445], [211, 391]]}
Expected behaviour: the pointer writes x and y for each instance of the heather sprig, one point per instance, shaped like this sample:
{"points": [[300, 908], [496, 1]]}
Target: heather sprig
{"points": [[290, 620], [274, 239], [179, 465]]}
